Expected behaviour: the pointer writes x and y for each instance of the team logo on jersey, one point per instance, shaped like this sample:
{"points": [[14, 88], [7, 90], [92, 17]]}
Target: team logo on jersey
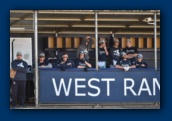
{"points": [[130, 51], [82, 64], [137, 64], [116, 52], [85, 51], [125, 65], [20, 65], [69, 64], [101, 52]]}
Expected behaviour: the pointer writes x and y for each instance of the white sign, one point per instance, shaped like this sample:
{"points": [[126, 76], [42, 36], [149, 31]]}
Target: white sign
{"points": [[23, 45]]}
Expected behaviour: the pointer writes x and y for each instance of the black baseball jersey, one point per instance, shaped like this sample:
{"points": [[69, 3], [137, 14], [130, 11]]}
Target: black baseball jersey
{"points": [[115, 53], [102, 54], [67, 64], [138, 64], [44, 63], [124, 63], [80, 62], [21, 67], [130, 50]]}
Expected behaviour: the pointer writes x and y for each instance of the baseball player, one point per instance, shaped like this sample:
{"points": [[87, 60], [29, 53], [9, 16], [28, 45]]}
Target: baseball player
{"points": [[65, 62], [85, 46], [140, 63], [82, 62], [131, 51], [102, 53], [124, 63], [42, 63], [102, 50], [115, 52]]}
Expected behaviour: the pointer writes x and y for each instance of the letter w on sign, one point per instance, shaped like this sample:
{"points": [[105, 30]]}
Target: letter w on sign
{"points": [[61, 84]]}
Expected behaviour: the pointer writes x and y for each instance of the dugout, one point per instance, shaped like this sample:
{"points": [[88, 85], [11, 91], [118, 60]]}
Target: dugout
{"points": [[63, 30]]}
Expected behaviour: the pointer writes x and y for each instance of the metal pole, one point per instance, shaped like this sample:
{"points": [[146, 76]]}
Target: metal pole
{"points": [[12, 49], [96, 42], [155, 41], [36, 58], [96, 52]]}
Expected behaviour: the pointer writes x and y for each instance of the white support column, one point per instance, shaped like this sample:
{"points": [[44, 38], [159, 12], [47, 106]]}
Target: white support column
{"points": [[96, 42], [36, 58]]}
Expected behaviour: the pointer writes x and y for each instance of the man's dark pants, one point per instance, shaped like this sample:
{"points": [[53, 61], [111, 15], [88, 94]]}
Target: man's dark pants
{"points": [[18, 90]]}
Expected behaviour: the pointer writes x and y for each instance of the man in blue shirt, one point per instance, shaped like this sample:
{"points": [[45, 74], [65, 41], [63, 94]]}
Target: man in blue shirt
{"points": [[19, 81], [131, 51], [102, 50], [42, 62], [115, 52], [125, 63], [81, 62], [102, 53], [65, 62], [140, 63]]}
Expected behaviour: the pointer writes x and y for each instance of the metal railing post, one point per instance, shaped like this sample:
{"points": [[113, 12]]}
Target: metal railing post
{"points": [[155, 40], [36, 58], [96, 37]]}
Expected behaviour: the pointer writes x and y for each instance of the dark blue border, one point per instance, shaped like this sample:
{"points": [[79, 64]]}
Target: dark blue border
{"points": [[166, 82]]}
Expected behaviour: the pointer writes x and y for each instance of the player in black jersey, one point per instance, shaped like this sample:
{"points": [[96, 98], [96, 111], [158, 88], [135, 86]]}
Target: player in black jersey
{"points": [[81, 62], [115, 52], [125, 63], [131, 51], [42, 62], [64, 63], [140, 63], [102, 51]]}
